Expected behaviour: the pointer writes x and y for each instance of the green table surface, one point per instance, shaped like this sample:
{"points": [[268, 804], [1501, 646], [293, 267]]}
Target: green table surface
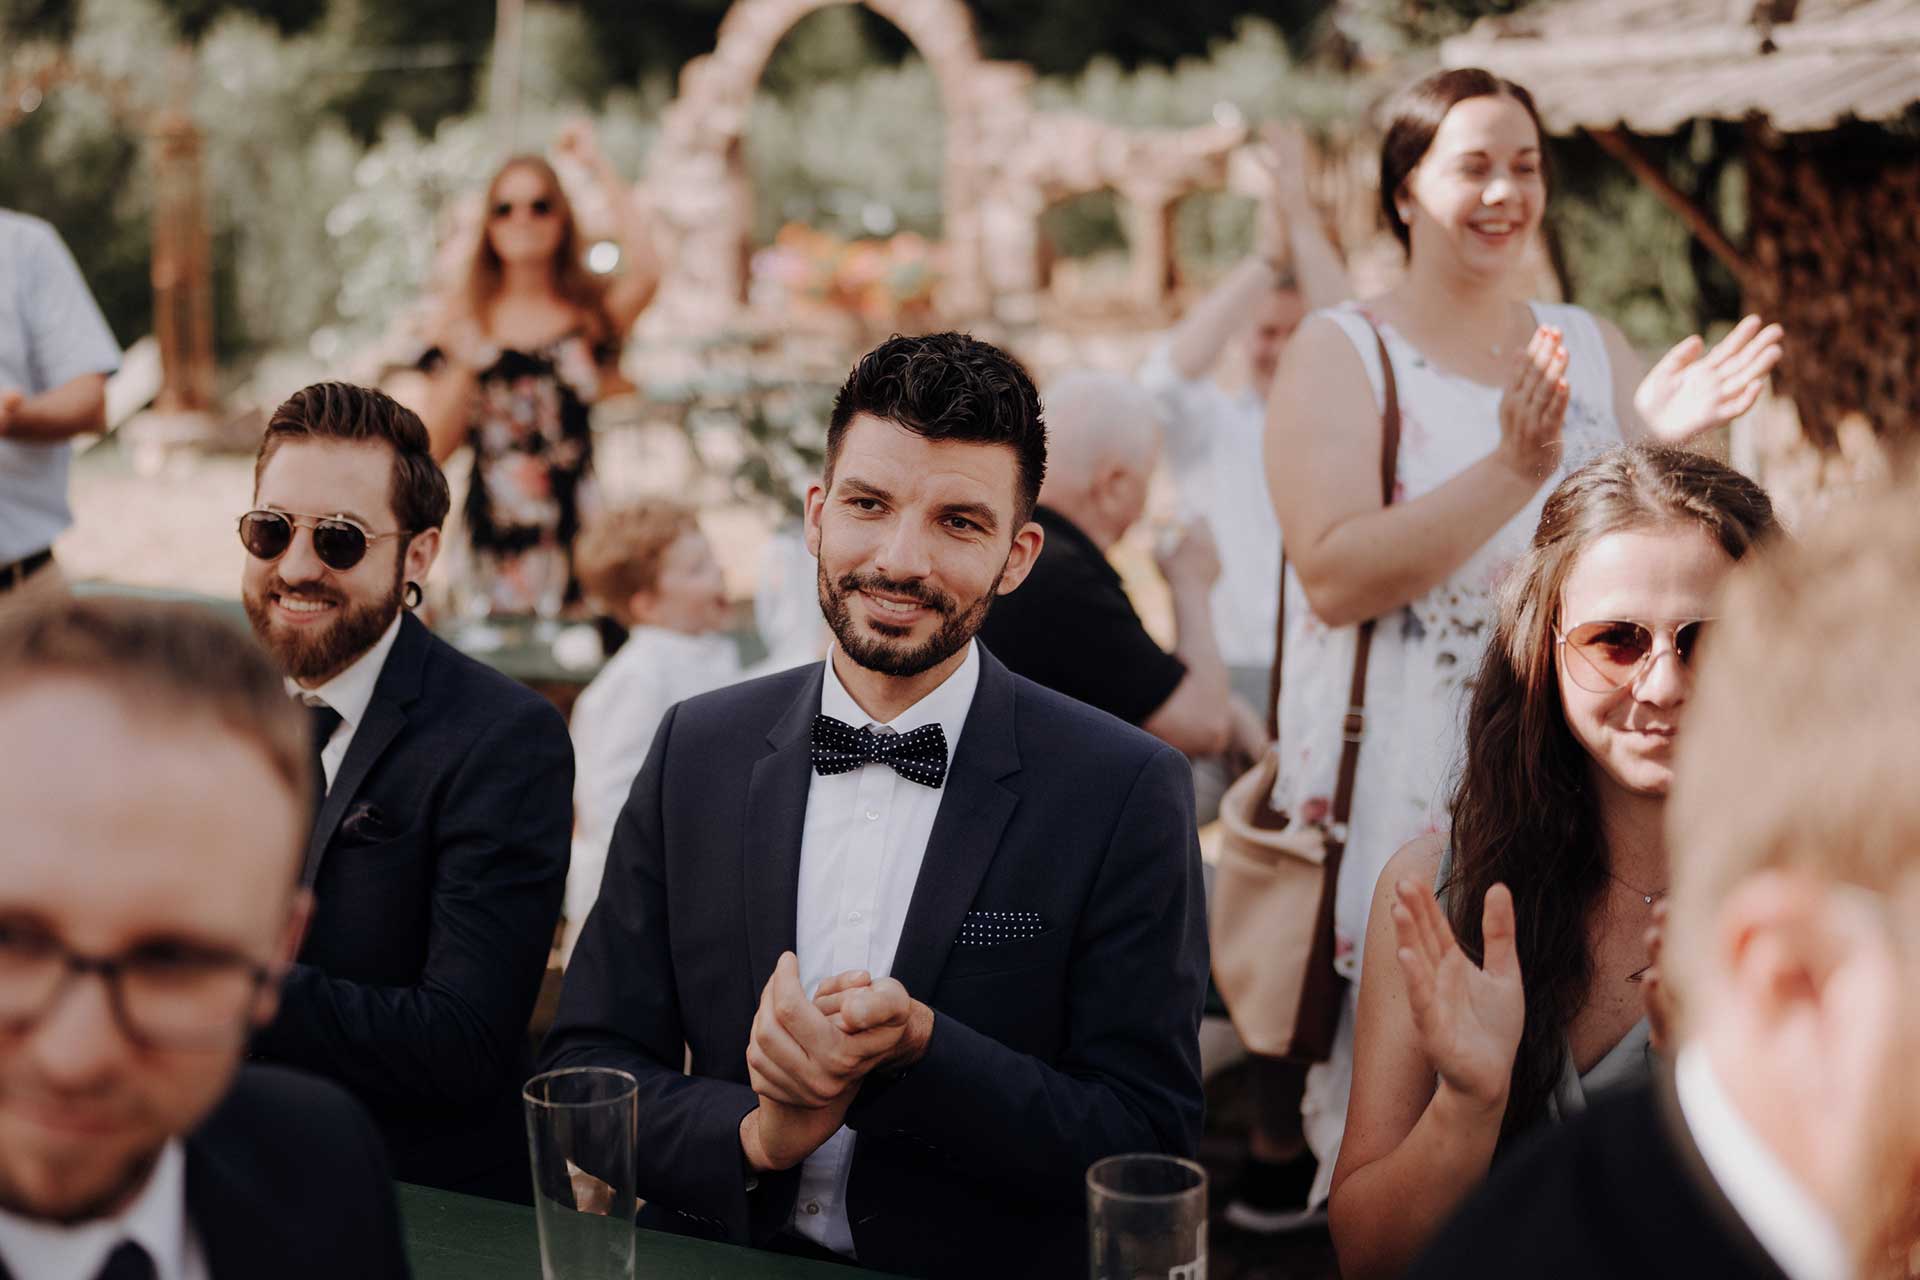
{"points": [[456, 1237]]}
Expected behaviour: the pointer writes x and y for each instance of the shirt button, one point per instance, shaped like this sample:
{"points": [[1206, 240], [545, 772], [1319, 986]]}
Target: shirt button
{"points": [[873, 815], [813, 1207]]}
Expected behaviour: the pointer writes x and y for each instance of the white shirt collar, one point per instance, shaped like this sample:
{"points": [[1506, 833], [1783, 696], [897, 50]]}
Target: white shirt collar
{"points": [[351, 690], [155, 1219], [946, 705], [1795, 1231]]}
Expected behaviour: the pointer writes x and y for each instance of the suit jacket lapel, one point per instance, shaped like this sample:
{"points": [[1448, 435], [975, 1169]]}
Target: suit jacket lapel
{"points": [[398, 686], [776, 819], [966, 833], [227, 1215]]}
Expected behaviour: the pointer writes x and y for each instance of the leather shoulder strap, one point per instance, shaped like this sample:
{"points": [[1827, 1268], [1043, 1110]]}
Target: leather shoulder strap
{"points": [[1353, 728]]}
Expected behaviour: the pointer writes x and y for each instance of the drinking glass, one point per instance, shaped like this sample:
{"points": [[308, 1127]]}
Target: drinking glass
{"points": [[581, 1124], [1146, 1219]]}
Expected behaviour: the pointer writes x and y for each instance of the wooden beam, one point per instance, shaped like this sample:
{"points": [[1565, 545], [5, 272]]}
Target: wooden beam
{"points": [[1620, 146]]}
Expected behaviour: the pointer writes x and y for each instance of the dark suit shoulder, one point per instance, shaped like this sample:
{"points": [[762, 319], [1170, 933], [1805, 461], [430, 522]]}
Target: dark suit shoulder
{"points": [[449, 674], [1049, 721], [276, 1116]]}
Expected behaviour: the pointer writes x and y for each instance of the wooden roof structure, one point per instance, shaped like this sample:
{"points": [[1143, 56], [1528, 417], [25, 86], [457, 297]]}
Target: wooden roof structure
{"points": [[1651, 66]]}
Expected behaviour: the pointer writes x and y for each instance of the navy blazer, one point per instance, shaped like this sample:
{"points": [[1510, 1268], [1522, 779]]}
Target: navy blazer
{"points": [[437, 861], [285, 1178], [1048, 1052]]}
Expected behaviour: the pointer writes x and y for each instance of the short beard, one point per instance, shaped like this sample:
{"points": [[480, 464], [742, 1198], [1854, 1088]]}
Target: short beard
{"points": [[957, 626], [106, 1203], [314, 659]]}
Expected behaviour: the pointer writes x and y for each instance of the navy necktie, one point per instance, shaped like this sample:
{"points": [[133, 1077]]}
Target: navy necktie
{"points": [[127, 1262], [919, 756], [324, 720]]}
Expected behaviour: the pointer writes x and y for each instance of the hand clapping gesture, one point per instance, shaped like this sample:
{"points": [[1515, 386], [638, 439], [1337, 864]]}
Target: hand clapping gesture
{"points": [[1468, 1017], [1689, 392], [1534, 408]]}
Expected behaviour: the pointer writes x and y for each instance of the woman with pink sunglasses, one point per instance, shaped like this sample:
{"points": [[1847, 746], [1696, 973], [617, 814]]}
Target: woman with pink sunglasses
{"points": [[1520, 939]]}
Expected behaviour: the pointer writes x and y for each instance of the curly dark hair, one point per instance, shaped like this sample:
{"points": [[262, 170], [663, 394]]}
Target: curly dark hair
{"points": [[949, 386], [1524, 812], [341, 411]]}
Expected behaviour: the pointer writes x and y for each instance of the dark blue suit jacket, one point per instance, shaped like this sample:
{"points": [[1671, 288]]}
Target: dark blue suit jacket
{"points": [[286, 1179], [1047, 1054], [437, 862]]}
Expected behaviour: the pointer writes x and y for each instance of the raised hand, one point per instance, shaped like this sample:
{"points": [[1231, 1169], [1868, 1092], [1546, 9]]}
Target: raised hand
{"points": [[1191, 557], [1468, 1017], [1533, 408], [11, 398], [1692, 389], [797, 1056]]}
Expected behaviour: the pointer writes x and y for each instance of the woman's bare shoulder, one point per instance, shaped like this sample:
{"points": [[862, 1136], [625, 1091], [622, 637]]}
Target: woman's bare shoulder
{"points": [[1418, 859]]}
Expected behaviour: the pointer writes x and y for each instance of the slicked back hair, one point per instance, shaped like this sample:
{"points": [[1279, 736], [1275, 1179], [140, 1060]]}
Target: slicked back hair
{"points": [[341, 412], [949, 386]]}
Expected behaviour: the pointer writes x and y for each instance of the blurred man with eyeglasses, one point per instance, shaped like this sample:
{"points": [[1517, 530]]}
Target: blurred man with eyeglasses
{"points": [[438, 851], [55, 354], [155, 799]]}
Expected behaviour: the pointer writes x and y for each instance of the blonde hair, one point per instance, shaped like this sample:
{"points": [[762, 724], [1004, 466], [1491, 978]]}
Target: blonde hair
{"points": [[1798, 750], [618, 556]]}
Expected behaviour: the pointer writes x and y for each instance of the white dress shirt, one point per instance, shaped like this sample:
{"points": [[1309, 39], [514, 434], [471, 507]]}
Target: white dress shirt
{"points": [[1795, 1231], [861, 846], [155, 1219], [1215, 442], [349, 693]]}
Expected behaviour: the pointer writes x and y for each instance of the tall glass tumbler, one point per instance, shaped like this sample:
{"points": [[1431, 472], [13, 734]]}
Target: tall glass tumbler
{"points": [[1146, 1218], [581, 1126]]}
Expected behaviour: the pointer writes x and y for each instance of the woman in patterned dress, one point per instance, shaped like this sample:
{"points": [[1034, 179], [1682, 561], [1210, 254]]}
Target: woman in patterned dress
{"points": [[521, 351], [1499, 399]]}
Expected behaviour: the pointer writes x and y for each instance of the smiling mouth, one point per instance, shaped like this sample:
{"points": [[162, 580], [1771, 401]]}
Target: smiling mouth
{"points": [[888, 607], [303, 608]]}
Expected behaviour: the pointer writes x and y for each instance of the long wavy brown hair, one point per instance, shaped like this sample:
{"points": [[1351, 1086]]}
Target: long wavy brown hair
{"points": [[1525, 813], [571, 279]]}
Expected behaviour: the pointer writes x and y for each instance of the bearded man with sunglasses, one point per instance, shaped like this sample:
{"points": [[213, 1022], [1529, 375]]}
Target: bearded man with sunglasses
{"points": [[155, 794], [438, 852]]}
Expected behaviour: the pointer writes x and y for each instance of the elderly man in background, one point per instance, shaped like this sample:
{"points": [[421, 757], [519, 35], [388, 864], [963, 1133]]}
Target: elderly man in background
{"points": [[1075, 630], [55, 354], [1786, 1141]]}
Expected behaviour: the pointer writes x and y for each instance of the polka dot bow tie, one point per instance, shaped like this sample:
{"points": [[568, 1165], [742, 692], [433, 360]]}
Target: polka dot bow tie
{"points": [[919, 756]]}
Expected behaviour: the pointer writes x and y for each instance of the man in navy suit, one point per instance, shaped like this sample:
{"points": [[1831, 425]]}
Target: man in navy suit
{"points": [[932, 933], [155, 792], [439, 847]]}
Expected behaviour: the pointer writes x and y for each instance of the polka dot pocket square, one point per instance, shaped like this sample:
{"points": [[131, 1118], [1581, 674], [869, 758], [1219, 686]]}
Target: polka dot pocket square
{"points": [[992, 928]]}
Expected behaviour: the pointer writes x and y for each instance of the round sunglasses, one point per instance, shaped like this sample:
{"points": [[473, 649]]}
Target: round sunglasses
{"points": [[538, 208], [1613, 653], [339, 543]]}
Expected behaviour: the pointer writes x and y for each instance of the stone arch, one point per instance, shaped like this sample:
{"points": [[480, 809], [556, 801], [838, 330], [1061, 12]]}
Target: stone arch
{"points": [[697, 179]]}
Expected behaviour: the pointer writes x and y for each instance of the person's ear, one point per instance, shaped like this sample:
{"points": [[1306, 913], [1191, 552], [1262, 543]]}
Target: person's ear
{"points": [[1780, 942], [422, 549], [1027, 541], [641, 606], [816, 506], [294, 932]]}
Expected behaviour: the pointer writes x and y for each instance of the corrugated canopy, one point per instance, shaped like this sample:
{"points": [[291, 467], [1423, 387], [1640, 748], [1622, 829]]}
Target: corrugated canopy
{"points": [[1650, 66]]}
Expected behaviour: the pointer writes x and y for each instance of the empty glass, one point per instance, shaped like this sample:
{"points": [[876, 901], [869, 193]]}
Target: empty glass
{"points": [[581, 1124], [1146, 1219]]}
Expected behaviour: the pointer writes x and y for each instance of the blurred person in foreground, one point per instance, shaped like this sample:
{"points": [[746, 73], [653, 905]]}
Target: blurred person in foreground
{"points": [[931, 934], [156, 796], [1074, 630], [438, 854], [1785, 1142], [651, 569], [1505, 990], [55, 354], [523, 347], [1499, 399]]}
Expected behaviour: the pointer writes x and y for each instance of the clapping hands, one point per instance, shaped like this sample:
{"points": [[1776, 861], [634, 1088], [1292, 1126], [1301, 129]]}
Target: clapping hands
{"points": [[1468, 1017], [806, 1059], [1533, 409], [1692, 390]]}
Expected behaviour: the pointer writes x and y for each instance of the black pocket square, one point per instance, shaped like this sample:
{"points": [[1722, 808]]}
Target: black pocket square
{"points": [[366, 822], [992, 928]]}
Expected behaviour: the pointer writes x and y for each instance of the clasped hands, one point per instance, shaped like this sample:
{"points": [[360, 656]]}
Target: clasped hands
{"points": [[807, 1058]]}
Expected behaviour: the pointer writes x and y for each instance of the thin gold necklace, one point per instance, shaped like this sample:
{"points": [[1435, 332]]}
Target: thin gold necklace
{"points": [[1648, 898]]}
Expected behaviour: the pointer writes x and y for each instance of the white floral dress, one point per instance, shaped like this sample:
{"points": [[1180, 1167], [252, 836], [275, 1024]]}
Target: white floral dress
{"points": [[1424, 655]]}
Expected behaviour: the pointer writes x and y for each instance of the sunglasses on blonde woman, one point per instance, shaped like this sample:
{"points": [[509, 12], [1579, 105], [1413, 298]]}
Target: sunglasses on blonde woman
{"points": [[1610, 654]]}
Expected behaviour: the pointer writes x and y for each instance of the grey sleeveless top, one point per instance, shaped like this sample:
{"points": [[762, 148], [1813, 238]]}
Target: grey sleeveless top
{"points": [[1628, 1062]]}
